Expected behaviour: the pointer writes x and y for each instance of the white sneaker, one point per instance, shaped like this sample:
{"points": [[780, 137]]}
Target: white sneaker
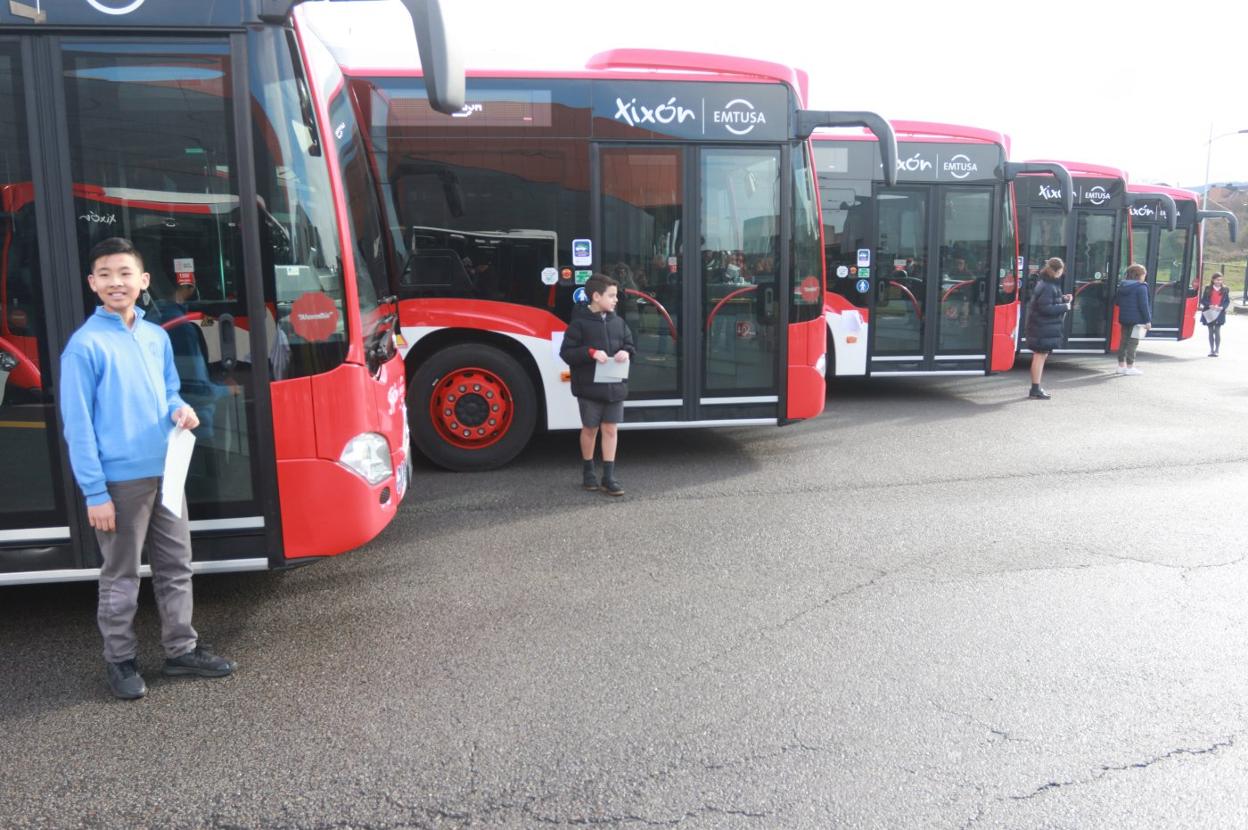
{"points": [[1121, 370], [1131, 370]]}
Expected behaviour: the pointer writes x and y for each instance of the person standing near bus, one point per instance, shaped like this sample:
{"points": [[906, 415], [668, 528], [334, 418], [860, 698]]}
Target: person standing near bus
{"points": [[1215, 296], [119, 402], [1135, 317], [597, 336], [1045, 313]]}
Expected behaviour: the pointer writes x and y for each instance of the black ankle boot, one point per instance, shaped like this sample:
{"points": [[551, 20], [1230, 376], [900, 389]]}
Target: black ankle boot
{"points": [[609, 484], [1038, 393], [588, 478]]}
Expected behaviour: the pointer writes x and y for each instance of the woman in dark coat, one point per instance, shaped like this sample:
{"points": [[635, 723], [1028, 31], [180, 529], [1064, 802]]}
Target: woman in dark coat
{"points": [[1045, 313], [1215, 295]]}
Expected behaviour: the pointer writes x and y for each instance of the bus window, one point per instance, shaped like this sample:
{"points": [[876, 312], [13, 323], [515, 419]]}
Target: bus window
{"points": [[1170, 292], [1007, 270], [299, 239], [807, 266], [1093, 270], [965, 260]]}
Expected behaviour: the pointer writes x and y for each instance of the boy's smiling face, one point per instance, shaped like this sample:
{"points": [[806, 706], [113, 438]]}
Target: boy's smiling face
{"points": [[118, 280]]}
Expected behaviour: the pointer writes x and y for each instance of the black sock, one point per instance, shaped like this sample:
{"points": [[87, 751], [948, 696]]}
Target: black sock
{"points": [[587, 465]]}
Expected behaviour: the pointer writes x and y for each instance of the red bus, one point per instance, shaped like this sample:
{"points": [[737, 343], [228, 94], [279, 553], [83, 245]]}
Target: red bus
{"points": [[220, 139], [922, 276], [686, 177], [1172, 255], [1094, 242]]}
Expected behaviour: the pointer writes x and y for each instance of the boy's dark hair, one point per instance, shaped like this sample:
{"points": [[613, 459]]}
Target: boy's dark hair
{"points": [[598, 284], [114, 245]]}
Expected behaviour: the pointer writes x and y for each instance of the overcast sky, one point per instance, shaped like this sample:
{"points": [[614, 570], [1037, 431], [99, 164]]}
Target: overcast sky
{"points": [[1102, 81]]}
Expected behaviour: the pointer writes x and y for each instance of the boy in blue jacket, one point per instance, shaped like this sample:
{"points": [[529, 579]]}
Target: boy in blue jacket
{"points": [[119, 403], [1133, 310]]}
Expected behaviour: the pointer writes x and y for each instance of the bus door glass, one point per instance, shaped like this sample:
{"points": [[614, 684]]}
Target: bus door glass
{"points": [[1091, 278], [1046, 238], [742, 321], [965, 263], [900, 307], [34, 523], [153, 159], [1169, 280], [642, 208]]}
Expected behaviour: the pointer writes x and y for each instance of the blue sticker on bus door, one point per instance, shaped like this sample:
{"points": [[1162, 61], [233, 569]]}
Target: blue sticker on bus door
{"points": [[863, 286], [579, 295], [582, 252]]}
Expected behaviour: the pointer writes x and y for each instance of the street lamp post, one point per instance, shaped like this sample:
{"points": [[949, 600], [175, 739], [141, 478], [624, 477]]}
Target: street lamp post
{"points": [[1204, 202]]}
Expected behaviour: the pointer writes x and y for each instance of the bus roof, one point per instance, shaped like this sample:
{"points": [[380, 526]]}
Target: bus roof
{"points": [[1175, 193], [1080, 168], [624, 64], [928, 131]]}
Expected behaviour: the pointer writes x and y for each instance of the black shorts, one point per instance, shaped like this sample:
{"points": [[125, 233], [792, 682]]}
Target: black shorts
{"points": [[594, 412]]}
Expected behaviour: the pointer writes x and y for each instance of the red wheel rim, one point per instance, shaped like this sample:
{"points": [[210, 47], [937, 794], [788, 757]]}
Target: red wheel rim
{"points": [[471, 408]]}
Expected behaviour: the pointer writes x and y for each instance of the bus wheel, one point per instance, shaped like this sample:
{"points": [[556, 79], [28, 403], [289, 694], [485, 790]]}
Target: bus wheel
{"points": [[472, 407]]}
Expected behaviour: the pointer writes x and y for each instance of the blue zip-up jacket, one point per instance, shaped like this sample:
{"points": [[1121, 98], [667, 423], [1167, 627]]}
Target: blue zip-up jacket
{"points": [[119, 389], [1133, 303]]}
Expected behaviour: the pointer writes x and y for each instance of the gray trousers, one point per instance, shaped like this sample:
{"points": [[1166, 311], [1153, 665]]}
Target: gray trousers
{"points": [[142, 521], [1127, 344]]}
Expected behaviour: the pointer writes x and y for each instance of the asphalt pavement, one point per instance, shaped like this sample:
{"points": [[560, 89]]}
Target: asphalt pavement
{"points": [[940, 604]]}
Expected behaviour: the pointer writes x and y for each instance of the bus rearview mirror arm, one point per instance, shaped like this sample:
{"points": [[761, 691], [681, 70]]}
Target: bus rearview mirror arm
{"points": [[441, 63], [1167, 202], [1231, 219], [1014, 168], [809, 120]]}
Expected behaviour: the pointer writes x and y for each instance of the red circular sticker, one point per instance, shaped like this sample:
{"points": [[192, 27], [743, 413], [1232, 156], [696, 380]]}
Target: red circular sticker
{"points": [[810, 289], [314, 316]]}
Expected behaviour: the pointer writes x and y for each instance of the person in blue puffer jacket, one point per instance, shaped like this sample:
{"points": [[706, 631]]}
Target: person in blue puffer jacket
{"points": [[1133, 310]]}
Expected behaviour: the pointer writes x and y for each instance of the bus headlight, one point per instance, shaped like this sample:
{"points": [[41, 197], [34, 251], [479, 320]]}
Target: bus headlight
{"points": [[368, 456]]}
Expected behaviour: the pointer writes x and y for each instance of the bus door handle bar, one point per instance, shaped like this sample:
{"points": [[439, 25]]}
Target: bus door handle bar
{"points": [[809, 120], [1231, 219], [1014, 168], [1167, 203], [229, 352], [731, 295], [670, 325], [441, 64]]}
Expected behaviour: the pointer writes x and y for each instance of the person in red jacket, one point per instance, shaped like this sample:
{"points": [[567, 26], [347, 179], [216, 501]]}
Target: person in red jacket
{"points": [[1215, 296]]}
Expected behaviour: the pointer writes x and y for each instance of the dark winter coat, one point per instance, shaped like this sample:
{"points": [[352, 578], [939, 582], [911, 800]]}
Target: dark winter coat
{"points": [[591, 331], [1045, 313], [1205, 298], [1132, 302]]}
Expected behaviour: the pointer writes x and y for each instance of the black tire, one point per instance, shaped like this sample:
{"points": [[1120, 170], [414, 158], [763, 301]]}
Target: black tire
{"points": [[486, 403]]}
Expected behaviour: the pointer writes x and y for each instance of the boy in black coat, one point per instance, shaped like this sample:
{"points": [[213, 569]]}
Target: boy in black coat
{"points": [[597, 335]]}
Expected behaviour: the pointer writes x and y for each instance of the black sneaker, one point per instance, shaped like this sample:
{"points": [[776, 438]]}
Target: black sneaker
{"points": [[1039, 394], [588, 479], [200, 662], [612, 487], [125, 681]]}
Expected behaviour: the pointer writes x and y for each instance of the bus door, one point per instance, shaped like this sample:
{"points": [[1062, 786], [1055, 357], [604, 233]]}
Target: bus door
{"points": [[143, 142], [931, 307], [1092, 278], [1045, 238], [692, 234], [1167, 256]]}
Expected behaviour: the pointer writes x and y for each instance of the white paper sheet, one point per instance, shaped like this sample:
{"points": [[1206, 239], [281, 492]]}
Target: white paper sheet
{"points": [[177, 463], [611, 372]]}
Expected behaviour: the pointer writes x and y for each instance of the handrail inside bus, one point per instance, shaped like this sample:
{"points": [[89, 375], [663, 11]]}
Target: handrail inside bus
{"points": [[1167, 202], [810, 120], [670, 325], [711, 317], [1231, 219], [441, 64], [1014, 168], [918, 312]]}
